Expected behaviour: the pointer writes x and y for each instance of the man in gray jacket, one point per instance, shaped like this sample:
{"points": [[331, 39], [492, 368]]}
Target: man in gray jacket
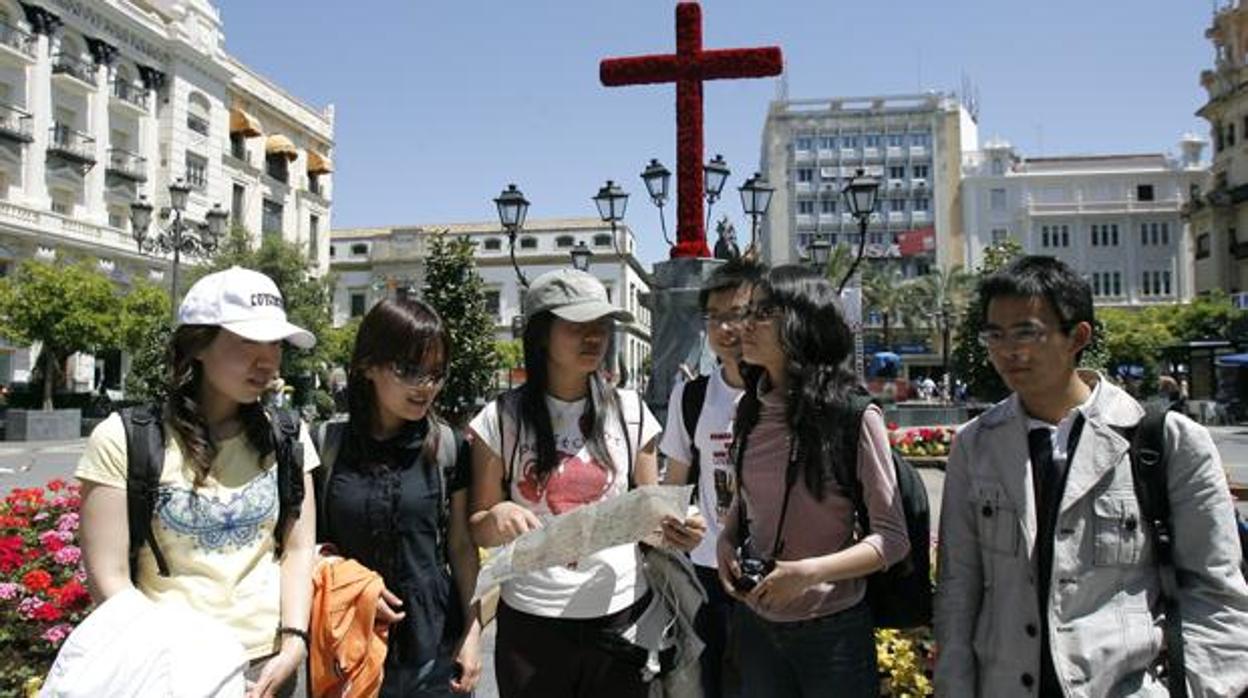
{"points": [[1048, 579]]}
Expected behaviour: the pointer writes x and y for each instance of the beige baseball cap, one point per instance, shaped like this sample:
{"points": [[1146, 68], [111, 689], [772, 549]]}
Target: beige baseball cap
{"points": [[573, 295]]}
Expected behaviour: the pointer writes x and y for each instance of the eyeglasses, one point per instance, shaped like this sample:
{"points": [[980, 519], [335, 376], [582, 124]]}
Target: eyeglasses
{"points": [[761, 313], [1026, 335], [415, 376], [732, 317]]}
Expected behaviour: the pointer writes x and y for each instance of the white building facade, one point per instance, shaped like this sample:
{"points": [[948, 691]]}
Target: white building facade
{"points": [[372, 263], [1116, 219], [912, 143], [103, 102]]}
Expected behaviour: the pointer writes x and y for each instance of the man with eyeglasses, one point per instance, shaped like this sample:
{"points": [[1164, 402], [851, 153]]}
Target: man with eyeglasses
{"points": [[1049, 583], [695, 444]]}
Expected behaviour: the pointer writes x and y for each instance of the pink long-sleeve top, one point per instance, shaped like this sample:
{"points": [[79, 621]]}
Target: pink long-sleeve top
{"points": [[814, 528]]}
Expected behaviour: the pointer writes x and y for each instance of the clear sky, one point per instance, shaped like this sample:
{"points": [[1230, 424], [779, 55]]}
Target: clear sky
{"points": [[441, 104]]}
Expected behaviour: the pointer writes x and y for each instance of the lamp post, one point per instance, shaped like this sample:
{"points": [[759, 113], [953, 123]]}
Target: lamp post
{"points": [[581, 256], [860, 195], [755, 199], [177, 239], [657, 179], [714, 174], [512, 208], [946, 316], [612, 201], [820, 251]]}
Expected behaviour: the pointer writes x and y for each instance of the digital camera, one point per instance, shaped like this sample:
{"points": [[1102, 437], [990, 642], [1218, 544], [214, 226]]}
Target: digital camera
{"points": [[753, 568]]}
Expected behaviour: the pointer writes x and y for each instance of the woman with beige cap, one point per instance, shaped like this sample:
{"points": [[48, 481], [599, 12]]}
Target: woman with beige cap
{"points": [[231, 527], [562, 440]]}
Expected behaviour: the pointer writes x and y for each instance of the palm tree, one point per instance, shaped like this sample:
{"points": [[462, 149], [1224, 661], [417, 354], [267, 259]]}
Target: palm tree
{"points": [[940, 297], [840, 259], [886, 291]]}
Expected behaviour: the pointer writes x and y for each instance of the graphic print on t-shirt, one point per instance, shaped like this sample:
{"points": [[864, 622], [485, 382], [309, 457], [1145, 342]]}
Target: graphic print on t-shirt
{"points": [[578, 480], [219, 524]]}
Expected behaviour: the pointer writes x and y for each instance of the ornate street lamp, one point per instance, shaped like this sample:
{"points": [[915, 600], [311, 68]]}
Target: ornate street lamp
{"points": [[860, 196], [179, 238], [581, 256], [714, 174], [755, 199], [658, 179], [820, 251], [611, 201], [512, 208]]}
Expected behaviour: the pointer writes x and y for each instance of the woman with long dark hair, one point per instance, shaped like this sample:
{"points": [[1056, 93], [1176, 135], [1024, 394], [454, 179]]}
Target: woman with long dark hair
{"points": [[391, 505], [562, 440], [790, 549], [220, 492]]}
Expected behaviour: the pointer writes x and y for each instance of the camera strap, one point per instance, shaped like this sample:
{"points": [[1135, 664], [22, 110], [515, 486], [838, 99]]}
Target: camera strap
{"points": [[790, 480]]}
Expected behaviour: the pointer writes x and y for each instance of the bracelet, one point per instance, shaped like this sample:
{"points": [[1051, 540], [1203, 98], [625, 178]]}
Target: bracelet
{"points": [[301, 634]]}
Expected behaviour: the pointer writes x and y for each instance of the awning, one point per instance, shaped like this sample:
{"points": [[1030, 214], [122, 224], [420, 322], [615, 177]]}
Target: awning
{"points": [[244, 123], [1233, 360], [277, 144], [319, 164]]}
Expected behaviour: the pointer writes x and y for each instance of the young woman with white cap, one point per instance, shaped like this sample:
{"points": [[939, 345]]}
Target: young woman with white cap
{"points": [[562, 440], [213, 542]]}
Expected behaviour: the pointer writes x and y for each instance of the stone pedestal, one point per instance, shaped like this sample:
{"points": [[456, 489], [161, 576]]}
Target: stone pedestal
{"points": [[676, 326], [40, 425]]}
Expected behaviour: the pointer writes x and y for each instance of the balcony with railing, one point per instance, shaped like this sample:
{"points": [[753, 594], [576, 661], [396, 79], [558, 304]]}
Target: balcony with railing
{"points": [[15, 124], [71, 144], [128, 94], [17, 43], [126, 165], [65, 65]]}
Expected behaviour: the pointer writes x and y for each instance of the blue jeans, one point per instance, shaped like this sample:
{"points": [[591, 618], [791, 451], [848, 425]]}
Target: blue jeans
{"points": [[829, 656]]}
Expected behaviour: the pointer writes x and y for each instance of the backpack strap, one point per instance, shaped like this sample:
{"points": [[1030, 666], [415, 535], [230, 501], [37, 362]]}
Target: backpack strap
{"points": [[500, 406], [1148, 470], [145, 460], [692, 399], [447, 455], [329, 436], [288, 457]]}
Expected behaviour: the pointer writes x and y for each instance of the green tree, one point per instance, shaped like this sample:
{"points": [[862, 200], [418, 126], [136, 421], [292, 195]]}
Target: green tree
{"points": [[510, 353], [308, 299], [143, 332], [937, 299], [1135, 337], [1206, 317], [454, 288], [840, 259], [970, 359], [886, 291], [64, 308], [340, 343]]}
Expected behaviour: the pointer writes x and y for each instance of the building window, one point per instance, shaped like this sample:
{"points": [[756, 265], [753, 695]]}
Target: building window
{"points": [[871, 140], [896, 171], [277, 166], [196, 171], [921, 139], [1230, 134], [1113, 232], [492, 303], [271, 221], [238, 146], [827, 206], [1065, 236], [850, 142], [1202, 246], [827, 142], [564, 241], [1044, 236], [238, 204], [314, 182], [1165, 282], [804, 142], [602, 241], [920, 171], [358, 249], [314, 234], [117, 218], [528, 243], [998, 167], [197, 114], [921, 204], [805, 207], [805, 174], [897, 205], [1144, 234], [997, 199], [333, 251], [1144, 192], [896, 140], [493, 244], [62, 203], [358, 304], [999, 235]]}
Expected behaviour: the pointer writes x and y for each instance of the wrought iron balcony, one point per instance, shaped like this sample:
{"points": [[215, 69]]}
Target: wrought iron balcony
{"points": [[71, 144], [17, 39], [65, 64], [15, 124], [131, 94], [127, 165]]}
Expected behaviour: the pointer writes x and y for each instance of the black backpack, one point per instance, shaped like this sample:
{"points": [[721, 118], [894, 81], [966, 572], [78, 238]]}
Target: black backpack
{"points": [[900, 596], [145, 460], [692, 399]]}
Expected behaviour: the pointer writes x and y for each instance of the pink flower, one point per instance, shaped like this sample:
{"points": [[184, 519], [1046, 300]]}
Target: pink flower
{"points": [[51, 541], [28, 607], [8, 590], [40, 516], [57, 633], [69, 555], [67, 522]]}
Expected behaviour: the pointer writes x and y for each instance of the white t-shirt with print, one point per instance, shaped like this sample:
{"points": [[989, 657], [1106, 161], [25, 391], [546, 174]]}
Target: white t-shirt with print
{"points": [[601, 583], [717, 479]]}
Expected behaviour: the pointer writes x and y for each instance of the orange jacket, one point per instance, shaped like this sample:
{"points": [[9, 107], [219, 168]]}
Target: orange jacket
{"points": [[348, 650]]}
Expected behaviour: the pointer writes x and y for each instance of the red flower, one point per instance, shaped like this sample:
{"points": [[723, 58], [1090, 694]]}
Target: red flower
{"points": [[56, 485], [47, 612], [70, 596], [892, 426], [37, 580]]}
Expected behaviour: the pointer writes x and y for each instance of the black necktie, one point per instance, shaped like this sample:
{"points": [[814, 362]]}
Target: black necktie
{"points": [[1040, 446], [1044, 478]]}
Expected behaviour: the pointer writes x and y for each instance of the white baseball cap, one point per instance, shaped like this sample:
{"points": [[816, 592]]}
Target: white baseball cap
{"points": [[244, 302]]}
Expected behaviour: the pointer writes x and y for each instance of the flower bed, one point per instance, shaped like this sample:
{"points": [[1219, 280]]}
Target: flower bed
{"points": [[921, 442], [43, 592]]}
